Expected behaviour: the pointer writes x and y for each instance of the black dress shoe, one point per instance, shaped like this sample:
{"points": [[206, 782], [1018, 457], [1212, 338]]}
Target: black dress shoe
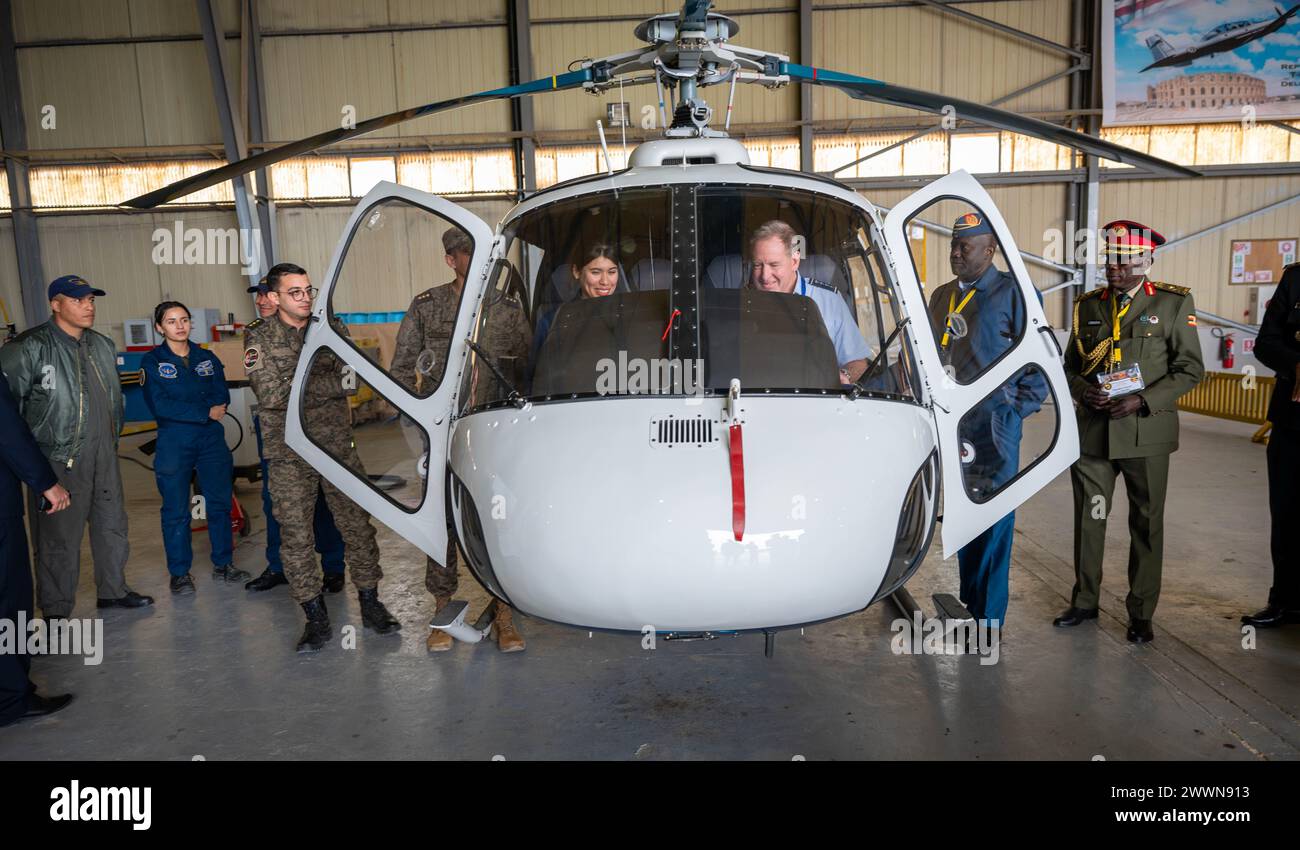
{"points": [[182, 584], [39, 706], [1074, 616], [1139, 631], [333, 582], [130, 600], [267, 580], [1272, 617]]}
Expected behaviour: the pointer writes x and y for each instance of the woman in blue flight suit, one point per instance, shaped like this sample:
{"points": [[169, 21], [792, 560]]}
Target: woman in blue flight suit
{"points": [[185, 388]]}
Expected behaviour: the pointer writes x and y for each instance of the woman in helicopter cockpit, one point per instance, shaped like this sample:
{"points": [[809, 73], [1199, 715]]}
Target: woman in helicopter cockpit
{"points": [[595, 275]]}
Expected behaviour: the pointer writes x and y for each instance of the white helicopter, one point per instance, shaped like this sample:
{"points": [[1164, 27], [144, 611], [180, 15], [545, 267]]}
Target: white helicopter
{"points": [[691, 453]]}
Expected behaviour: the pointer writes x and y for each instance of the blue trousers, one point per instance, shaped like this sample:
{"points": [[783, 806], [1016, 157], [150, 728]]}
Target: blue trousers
{"points": [[985, 568], [184, 451], [15, 596]]}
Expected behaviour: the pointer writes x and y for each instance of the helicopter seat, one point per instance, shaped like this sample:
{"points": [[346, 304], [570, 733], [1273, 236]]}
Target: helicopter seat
{"points": [[652, 273], [726, 271], [824, 268]]}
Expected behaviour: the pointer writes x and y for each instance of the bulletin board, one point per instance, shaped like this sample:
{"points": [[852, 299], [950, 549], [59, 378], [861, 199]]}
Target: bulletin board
{"points": [[1257, 262]]}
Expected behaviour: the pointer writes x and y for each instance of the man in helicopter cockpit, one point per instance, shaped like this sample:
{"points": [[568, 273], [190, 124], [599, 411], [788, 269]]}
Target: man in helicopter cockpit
{"points": [[775, 263]]}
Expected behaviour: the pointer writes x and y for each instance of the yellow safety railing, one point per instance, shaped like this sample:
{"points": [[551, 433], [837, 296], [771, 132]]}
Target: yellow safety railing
{"points": [[1232, 395]]}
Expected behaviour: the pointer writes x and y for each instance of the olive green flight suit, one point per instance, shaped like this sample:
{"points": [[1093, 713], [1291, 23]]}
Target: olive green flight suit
{"points": [[1159, 334]]}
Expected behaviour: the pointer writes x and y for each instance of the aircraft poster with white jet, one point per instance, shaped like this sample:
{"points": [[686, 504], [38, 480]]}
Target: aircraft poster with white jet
{"points": [[1194, 61]]}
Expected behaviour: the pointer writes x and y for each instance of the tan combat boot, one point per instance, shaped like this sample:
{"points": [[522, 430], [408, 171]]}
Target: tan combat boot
{"points": [[439, 641], [503, 626]]}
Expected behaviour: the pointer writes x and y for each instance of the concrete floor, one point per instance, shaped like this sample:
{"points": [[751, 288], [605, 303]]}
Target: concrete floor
{"points": [[214, 674]]}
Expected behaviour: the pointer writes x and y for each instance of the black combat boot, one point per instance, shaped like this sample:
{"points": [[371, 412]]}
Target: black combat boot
{"points": [[317, 630], [373, 613]]}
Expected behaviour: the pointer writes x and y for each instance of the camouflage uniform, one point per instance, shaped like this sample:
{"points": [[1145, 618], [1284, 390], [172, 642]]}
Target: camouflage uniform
{"points": [[427, 327], [271, 352]]}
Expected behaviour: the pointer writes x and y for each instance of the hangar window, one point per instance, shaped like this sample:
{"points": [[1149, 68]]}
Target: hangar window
{"points": [[978, 153], [366, 171]]}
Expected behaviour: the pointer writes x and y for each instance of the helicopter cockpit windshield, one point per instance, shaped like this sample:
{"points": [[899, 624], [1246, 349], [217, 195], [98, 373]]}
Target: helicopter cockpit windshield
{"points": [[678, 290]]}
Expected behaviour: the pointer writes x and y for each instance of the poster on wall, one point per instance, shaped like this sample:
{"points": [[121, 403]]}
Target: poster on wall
{"points": [[1193, 61], [1257, 261]]}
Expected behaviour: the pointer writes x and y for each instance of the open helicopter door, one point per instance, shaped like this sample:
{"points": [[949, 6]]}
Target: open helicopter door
{"points": [[992, 365], [399, 242]]}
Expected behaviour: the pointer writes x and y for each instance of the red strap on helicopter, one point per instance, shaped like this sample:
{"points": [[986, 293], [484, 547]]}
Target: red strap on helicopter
{"points": [[675, 314], [737, 482]]}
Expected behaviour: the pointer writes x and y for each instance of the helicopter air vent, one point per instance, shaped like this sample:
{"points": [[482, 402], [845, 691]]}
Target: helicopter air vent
{"points": [[683, 432], [707, 151]]}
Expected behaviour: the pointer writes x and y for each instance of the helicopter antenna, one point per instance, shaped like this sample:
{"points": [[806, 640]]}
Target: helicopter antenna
{"points": [[731, 98], [626, 117], [600, 130]]}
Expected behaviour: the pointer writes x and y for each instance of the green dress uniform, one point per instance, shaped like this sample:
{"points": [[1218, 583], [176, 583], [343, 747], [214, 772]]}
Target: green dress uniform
{"points": [[1157, 331]]}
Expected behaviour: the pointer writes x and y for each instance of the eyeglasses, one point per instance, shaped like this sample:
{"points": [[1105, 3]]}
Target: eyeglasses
{"points": [[298, 294]]}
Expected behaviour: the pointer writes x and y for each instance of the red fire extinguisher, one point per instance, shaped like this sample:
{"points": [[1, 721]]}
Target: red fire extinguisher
{"points": [[1225, 351]]}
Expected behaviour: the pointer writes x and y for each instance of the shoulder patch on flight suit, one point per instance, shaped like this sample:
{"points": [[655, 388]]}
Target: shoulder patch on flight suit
{"points": [[1169, 287], [252, 358]]}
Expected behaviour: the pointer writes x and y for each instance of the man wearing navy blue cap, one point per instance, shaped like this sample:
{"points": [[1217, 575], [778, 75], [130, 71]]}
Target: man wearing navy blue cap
{"points": [[329, 543], [976, 318], [64, 378]]}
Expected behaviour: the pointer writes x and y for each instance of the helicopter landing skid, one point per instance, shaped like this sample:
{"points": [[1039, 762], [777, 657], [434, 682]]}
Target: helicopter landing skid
{"points": [[451, 620]]}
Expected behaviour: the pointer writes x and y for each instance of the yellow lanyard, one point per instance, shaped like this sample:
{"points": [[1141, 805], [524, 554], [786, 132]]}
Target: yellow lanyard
{"points": [[1115, 315], [954, 309]]}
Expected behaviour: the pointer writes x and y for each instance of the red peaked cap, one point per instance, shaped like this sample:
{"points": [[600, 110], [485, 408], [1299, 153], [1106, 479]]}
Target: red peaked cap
{"points": [[1127, 237]]}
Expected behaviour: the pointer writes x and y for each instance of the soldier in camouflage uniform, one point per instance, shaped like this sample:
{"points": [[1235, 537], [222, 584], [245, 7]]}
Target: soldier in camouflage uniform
{"points": [[419, 360], [271, 349]]}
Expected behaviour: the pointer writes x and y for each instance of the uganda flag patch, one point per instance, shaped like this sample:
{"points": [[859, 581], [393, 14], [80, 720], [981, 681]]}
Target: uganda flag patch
{"points": [[1191, 320]]}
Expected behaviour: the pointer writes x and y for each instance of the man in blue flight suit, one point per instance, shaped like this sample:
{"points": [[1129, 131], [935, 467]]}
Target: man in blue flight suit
{"points": [[21, 460], [329, 543], [976, 318]]}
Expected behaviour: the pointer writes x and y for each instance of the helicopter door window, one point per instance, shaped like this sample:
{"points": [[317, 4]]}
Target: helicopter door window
{"points": [[878, 312], [498, 368], [1007, 433], [401, 281], [387, 450], [976, 310], [976, 314]]}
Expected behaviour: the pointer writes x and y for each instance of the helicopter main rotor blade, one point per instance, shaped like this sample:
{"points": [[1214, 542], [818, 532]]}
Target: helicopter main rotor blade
{"points": [[212, 177], [863, 88]]}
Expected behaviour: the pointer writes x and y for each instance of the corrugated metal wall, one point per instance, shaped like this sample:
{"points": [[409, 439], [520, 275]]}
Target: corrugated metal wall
{"points": [[1180, 208]]}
